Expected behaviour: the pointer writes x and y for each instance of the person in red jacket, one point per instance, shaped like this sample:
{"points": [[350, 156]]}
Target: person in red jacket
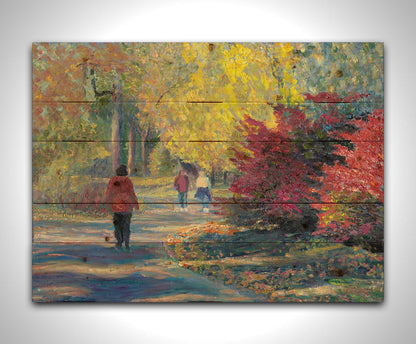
{"points": [[120, 194], [181, 185]]}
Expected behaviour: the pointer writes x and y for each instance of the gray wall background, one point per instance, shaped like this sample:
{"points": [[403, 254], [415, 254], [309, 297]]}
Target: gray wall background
{"points": [[22, 22]]}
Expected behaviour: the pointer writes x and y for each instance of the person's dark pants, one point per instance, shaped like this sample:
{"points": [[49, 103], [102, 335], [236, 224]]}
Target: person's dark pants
{"points": [[201, 195], [122, 229], [183, 199]]}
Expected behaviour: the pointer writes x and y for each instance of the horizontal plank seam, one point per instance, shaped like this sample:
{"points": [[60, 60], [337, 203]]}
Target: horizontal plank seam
{"points": [[204, 242], [207, 141], [204, 102], [212, 203]]}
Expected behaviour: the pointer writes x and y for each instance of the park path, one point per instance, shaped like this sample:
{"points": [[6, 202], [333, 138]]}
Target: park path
{"points": [[76, 261]]}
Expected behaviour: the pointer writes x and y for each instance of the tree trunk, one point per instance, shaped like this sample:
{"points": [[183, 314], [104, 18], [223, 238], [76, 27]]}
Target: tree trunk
{"points": [[225, 174], [132, 150], [212, 176], [144, 157], [143, 132], [116, 127], [116, 121]]}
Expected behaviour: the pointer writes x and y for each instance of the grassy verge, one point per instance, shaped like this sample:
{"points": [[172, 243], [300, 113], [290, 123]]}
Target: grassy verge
{"points": [[59, 212], [282, 268]]}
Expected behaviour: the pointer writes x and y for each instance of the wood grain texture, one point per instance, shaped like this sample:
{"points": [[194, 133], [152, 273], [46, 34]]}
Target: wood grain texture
{"points": [[190, 125], [289, 139]]}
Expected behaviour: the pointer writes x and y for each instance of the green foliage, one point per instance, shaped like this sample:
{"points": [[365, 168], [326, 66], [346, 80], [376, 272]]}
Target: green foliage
{"points": [[161, 162], [59, 164], [342, 68]]}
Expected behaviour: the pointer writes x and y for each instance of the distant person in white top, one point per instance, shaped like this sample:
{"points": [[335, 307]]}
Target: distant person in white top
{"points": [[203, 191]]}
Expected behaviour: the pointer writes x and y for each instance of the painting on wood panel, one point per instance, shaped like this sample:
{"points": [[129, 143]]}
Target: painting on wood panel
{"points": [[216, 172]]}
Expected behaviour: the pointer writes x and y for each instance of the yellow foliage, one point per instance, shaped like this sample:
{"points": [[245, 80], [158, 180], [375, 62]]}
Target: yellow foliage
{"points": [[198, 79], [284, 49], [288, 78], [101, 152], [236, 59], [237, 75], [271, 122]]}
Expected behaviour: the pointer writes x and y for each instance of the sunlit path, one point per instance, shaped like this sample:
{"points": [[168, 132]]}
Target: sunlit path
{"points": [[78, 262]]}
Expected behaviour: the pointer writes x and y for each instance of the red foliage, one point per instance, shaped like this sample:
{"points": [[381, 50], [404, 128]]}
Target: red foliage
{"points": [[360, 180], [275, 173], [328, 160], [279, 164], [364, 169]]}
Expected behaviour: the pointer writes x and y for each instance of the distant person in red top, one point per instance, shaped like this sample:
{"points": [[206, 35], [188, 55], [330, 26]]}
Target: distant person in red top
{"points": [[181, 185], [120, 194]]}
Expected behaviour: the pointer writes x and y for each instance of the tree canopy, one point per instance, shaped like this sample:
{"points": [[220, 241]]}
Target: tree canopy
{"points": [[221, 107]]}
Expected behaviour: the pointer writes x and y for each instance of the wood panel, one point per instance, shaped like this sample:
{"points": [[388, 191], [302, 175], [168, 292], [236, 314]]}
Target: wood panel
{"points": [[289, 221], [209, 114], [74, 180]]}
